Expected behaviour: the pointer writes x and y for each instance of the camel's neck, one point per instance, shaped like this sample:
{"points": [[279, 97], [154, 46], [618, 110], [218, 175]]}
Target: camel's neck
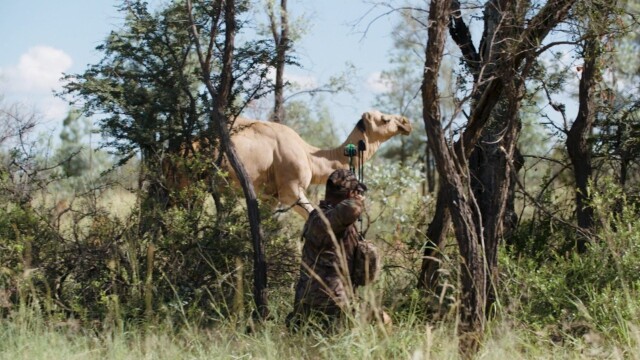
{"points": [[325, 161]]}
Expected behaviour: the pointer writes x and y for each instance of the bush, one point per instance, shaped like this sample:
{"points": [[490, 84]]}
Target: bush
{"points": [[183, 263], [548, 287]]}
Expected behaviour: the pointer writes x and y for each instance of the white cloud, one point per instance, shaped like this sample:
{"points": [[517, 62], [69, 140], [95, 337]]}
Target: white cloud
{"points": [[53, 108], [31, 81], [376, 84], [37, 71]]}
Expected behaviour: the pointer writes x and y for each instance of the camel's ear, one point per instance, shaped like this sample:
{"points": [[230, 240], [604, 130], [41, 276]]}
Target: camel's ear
{"points": [[365, 116]]}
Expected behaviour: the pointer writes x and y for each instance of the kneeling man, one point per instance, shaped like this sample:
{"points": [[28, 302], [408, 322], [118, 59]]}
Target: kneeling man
{"points": [[335, 258]]}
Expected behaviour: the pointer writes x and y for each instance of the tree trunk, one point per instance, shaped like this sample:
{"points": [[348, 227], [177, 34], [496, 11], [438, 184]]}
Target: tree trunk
{"points": [[499, 68], [578, 136], [429, 170], [436, 241], [463, 215], [218, 120], [282, 45], [223, 100], [493, 177], [259, 261]]}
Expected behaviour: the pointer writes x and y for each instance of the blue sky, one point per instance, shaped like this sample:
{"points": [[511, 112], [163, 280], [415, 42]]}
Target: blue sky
{"points": [[44, 38]]}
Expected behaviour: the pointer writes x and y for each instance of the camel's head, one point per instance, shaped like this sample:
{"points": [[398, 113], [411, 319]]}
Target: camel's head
{"points": [[384, 126]]}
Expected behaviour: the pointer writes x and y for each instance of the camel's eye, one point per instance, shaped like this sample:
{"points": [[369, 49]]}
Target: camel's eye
{"points": [[386, 120]]}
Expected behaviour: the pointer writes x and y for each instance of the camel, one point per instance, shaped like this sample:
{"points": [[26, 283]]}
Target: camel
{"points": [[282, 165]]}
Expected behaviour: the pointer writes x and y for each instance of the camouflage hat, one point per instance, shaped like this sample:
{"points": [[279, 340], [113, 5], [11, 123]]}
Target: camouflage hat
{"points": [[342, 181]]}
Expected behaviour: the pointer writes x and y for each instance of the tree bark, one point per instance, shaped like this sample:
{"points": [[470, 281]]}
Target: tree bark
{"points": [[499, 70], [281, 40], [429, 170], [496, 181], [436, 242], [219, 122], [463, 214], [577, 143]]}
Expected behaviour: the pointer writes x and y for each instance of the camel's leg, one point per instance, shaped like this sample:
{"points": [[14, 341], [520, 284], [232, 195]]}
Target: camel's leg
{"points": [[298, 201]]}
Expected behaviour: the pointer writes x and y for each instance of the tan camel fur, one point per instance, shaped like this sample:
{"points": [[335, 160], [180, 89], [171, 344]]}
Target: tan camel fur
{"points": [[282, 165]]}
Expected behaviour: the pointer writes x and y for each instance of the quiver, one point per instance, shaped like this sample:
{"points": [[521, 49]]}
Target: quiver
{"points": [[366, 263]]}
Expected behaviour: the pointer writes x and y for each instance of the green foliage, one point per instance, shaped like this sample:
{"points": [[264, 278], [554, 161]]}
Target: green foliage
{"points": [[146, 82], [394, 188], [75, 127], [105, 269], [80, 164], [312, 124], [399, 210], [148, 85], [402, 93], [21, 231], [551, 286], [402, 98]]}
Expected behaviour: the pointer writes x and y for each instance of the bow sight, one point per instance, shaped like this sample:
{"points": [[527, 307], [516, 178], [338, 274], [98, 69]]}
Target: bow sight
{"points": [[350, 150]]}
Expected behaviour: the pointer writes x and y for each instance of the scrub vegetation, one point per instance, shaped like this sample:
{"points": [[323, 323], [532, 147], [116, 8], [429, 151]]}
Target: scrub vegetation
{"points": [[508, 222]]}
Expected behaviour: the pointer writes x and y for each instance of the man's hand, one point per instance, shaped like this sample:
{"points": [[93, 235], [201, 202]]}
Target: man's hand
{"points": [[353, 194]]}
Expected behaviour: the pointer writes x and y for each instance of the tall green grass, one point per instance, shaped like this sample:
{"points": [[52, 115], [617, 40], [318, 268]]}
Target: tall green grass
{"points": [[196, 302], [26, 335]]}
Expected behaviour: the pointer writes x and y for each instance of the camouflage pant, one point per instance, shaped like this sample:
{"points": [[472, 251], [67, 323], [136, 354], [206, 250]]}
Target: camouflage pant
{"points": [[318, 302], [324, 317]]}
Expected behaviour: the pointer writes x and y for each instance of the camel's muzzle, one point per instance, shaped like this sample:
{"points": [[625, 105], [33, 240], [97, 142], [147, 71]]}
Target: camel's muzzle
{"points": [[405, 126]]}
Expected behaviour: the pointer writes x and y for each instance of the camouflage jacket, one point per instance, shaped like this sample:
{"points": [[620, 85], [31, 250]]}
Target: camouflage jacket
{"points": [[327, 260]]}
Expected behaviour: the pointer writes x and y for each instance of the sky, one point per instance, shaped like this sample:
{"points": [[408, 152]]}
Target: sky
{"points": [[42, 39]]}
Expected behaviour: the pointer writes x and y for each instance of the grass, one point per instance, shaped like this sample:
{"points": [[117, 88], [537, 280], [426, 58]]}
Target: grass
{"points": [[26, 336], [551, 307], [33, 339], [25, 333]]}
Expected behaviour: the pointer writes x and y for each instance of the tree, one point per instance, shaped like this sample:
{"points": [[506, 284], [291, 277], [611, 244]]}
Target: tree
{"points": [[401, 98], [149, 87], [596, 28], [219, 111], [578, 144], [452, 184], [312, 122], [146, 88], [74, 128], [616, 139], [508, 49], [403, 88], [20, 173], [280, 33]]}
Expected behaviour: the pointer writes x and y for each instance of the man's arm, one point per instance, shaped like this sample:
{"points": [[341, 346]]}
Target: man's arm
{"points": [[345, 214], [339, 218]]}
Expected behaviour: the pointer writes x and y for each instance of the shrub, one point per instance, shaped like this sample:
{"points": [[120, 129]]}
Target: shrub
{"points": [[571, 293]]}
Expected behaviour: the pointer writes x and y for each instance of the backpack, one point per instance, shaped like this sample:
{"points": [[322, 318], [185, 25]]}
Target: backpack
{"points": [[366, 263]]}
